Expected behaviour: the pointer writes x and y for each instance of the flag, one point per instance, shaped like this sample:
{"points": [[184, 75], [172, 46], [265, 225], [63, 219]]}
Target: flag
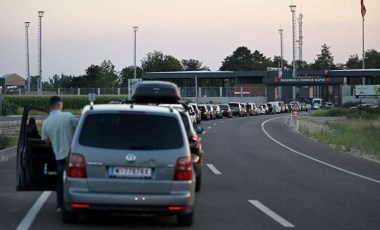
{"points": [[363, 8]]}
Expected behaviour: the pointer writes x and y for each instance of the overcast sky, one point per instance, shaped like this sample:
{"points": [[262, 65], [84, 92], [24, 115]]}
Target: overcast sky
{"points": [[78, 33]]}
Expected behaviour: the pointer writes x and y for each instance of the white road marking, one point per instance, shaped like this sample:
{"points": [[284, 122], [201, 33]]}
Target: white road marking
{"points": [[312, 158], [214, 123], [271, 214], [209, 127], [213, 169], [221, 121], [31, 215]]}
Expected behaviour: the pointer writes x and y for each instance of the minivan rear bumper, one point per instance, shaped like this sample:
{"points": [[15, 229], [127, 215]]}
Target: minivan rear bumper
{"points": [[131, 203]]}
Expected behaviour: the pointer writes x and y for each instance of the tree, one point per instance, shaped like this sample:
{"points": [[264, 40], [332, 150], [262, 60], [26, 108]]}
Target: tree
{"points": [[324, 60], [372, 59], [156, 61], [103, 76], [260, 62], [128, 73], [241, 59], [302, 65], [353, 62], [193, 65]]}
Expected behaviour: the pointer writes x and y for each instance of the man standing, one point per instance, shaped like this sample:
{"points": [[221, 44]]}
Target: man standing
{"points": [[58, 129]]}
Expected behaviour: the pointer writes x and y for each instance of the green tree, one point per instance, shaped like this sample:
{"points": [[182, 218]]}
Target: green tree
{"points": [[260, 62], [100, 76], [302, 65], [128, 73], [156, 61], [241, 59], [353, 62], [372, 59], [193, 65], [324, 60]]}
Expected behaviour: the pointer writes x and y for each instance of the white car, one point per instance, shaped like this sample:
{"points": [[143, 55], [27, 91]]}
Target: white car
{"points": [[261, 110]]}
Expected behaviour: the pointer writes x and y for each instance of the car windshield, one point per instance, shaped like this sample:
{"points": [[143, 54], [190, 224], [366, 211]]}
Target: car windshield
{"points": [[223, 106], [131, 131]]}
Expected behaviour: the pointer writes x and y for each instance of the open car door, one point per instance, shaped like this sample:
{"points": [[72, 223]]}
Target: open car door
{"points": [[36, 165]]}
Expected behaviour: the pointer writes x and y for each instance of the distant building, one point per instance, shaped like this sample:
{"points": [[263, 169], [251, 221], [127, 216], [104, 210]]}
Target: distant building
{"points": [[11, 81]]}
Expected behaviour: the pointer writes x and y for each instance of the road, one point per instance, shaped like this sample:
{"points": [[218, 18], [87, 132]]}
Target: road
{"points": [[258, 174]]}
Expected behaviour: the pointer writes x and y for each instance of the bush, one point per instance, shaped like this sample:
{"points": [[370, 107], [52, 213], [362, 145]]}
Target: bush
{"points": [[8, 108], [358, 113], [69, 102], [6, 142]]}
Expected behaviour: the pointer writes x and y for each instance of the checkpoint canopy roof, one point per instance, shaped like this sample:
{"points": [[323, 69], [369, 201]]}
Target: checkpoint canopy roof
{"points": [[11, 80]]}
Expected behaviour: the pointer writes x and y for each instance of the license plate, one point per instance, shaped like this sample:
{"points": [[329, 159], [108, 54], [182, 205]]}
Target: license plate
{"points": [[130, 172]]}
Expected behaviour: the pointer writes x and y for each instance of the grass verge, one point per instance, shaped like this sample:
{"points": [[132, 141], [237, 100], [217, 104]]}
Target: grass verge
{"points": [[351, 135], [7, 141]]}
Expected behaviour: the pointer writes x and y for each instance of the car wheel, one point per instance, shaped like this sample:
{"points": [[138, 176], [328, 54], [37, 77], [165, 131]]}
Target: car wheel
{"points": [[198, 182], [185, 219], [69, 217]]}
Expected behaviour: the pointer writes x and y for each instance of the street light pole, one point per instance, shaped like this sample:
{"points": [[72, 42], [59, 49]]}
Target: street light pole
{"points": [[135, 28], [27, 54], [293, 10], [39, 80]]}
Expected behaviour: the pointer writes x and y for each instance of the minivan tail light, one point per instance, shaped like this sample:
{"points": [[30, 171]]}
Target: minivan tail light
{"points": [[183, 170], [77, 167], [195, 139]]}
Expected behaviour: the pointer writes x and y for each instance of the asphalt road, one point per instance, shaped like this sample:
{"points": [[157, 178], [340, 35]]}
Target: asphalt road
{"points": [[256, 176]]}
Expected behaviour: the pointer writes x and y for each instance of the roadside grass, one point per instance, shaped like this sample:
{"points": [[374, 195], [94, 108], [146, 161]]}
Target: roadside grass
{"points": [[9, 135], [354, 135]]}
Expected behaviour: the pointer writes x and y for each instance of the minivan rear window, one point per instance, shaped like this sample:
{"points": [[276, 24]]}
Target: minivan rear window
{"points": [[131, 131]]}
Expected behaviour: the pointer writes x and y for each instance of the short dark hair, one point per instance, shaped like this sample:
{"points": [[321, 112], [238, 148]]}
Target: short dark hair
{"points": [[54, 100]]}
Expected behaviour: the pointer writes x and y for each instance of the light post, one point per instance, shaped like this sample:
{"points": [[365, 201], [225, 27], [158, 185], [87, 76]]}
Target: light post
{"points": [[135, 28], [27, 54], [281, 60], [39, 80], [293, 10]]}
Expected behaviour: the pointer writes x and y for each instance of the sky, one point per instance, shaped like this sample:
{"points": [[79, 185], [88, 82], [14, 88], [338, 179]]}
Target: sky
{"points": [[79, 33]]}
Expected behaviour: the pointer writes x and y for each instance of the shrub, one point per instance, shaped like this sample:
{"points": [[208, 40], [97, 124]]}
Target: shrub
{"points": [[8, 108], [69, 102]]}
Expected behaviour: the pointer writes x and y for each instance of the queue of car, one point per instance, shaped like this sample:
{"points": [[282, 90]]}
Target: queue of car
{"points": [[140, 157]]}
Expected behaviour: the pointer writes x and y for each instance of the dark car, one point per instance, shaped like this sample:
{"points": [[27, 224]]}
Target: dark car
{"points": [[270, 108], [195, 146], [236, 109], [205, 113], [225, 110]]}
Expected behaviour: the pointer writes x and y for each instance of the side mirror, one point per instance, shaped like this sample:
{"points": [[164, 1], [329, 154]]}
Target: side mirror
{"points": [[192, 113], [198, 129]]}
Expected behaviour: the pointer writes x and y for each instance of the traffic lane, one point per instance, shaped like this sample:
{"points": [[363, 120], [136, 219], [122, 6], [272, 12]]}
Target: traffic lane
{"points": [[310, 195], [218, 206], [279, 130], [14, 205]]}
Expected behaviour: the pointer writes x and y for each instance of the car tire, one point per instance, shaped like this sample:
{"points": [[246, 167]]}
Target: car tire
{"points": [[185, 219], [69, 217], [198, 182]]}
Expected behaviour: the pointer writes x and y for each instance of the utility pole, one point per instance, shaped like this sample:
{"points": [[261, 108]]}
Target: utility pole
{"points": [[39, 79], [135, 28], [300, 36], [293, 10], [27, 55], [281, 67]]}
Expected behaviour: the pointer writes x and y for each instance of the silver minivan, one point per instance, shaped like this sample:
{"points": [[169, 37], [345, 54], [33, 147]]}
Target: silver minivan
{"points": [[125, 159], [130, 158]]}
